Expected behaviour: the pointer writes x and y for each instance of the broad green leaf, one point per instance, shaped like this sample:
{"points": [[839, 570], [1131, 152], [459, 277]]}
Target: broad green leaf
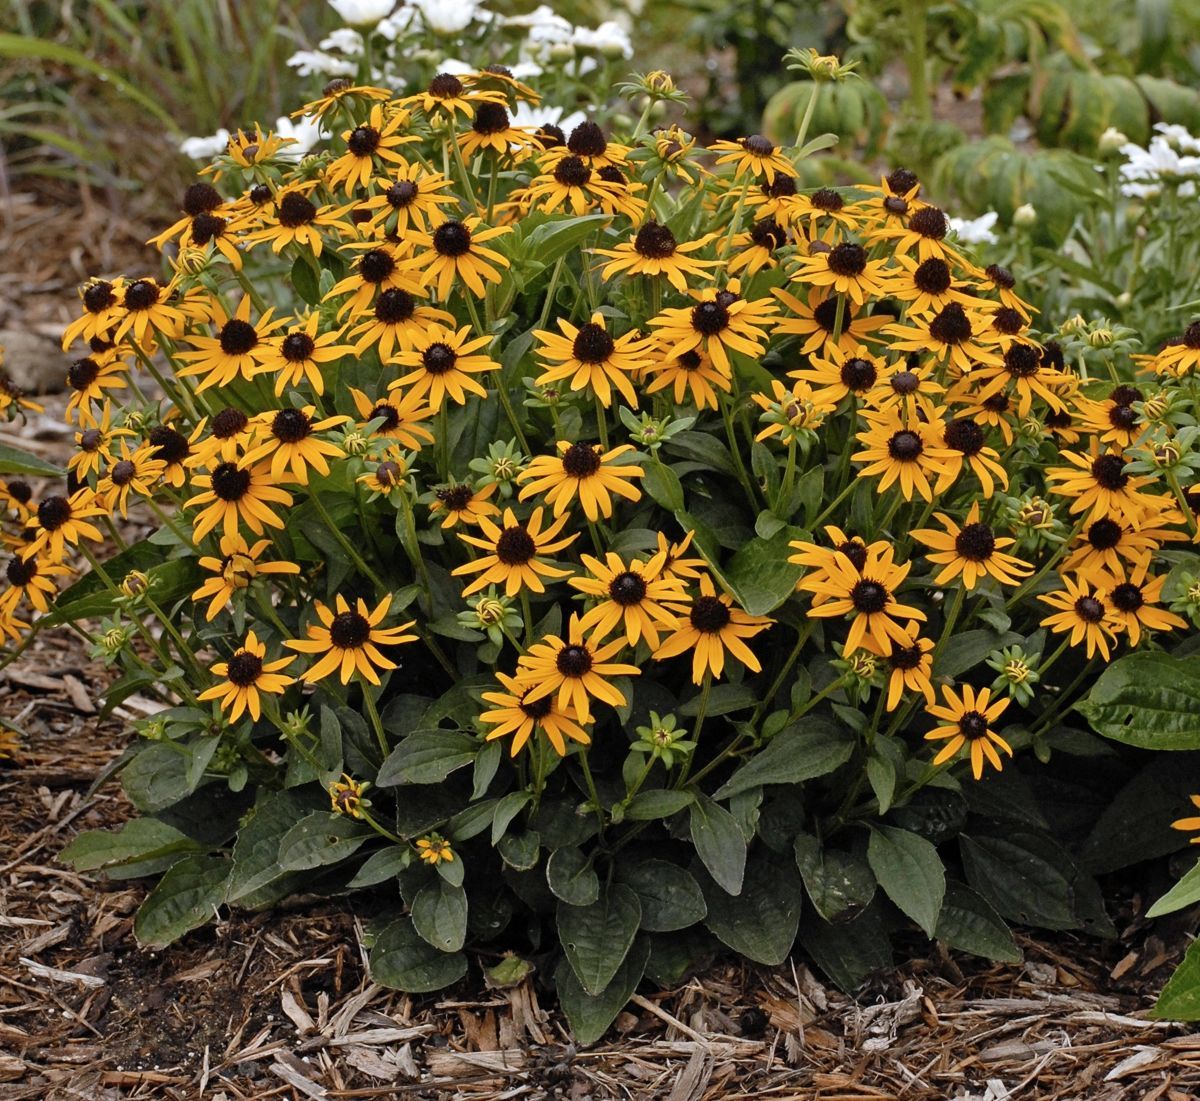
{"points": [[185, 898], [670, 896], [646, 806], [256, 851], [157, 776], [1180, 999], [1185, 893], [402, 960], [520, 850], [571, 877], [321, 838], [662, 485], [969, 923], [558, 237], [590, 1015], [761, 921], [439, 915], [1149, 700], [839, 884], [381, 866], [506, 810], [1026, 877], [304, 281], [14, 461], [971, 648], [849, 952], [427, 757], [138, 840], [597, 938], [811, 747], [719, 843], [760, 575], [910, 872]]}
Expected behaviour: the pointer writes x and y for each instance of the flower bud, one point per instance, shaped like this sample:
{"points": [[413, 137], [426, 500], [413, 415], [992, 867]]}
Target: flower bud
{"points": [[1025, 216]]}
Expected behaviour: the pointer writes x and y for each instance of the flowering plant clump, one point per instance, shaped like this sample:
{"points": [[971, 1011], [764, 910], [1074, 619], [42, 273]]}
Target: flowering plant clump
{"points": [[620, 548]]}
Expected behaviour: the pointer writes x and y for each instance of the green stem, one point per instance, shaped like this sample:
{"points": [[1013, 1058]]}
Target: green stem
{"points": [[701, 711], [915, 59], [801, 638], [346, 545], [376, 721], [951, 619], [802, 133], [601, 422], [510, 412], [590, 781], [834, 504], [736, 451]]}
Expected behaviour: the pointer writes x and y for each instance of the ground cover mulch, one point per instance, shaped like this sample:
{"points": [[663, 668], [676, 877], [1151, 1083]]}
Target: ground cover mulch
{"points": [[278, 1004]]}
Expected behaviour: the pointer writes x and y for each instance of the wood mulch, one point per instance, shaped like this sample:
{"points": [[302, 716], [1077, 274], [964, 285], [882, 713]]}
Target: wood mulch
{"points": [[278, 1004]]}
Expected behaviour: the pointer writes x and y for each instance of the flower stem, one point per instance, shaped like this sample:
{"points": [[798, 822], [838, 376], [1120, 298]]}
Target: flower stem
{"points": [[345, 544], [376, 721]]}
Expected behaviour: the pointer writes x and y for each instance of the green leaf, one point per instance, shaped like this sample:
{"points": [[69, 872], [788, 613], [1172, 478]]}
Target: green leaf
{"points": [[138, 840], [381, 866], [811, 747], [1184, 893], [304, 280], [849, 952], [506, 810], [439, 915], [1149, 700], [590, 1015], [719, 843], [670, 896], [1180, 999], [840, 884], [969, 923], [910, 872], [427, 757], [597, 938], [403, 960], [14, 461], [760, 574], [571, 877], [646, 806], [562, 235], [185, 898], [520, 851], [157, 776], [970, 649], [256, 851], [761, 921], [1025, 876], [662, 485], [321, 838]]}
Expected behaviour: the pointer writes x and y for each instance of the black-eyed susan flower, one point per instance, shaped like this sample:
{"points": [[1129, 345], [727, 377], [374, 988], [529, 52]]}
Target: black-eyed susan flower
{"points": [[409, 196], [1115, 420], [654, 251], [968, 718], [691, 374], [514, 557], [757, 248], [92, 380], [953, 336], [388, 475], [588, 142], [174, 449], [297, 220], [347, 797], [447, 95], [846, 269], [675, 560], [910, 388], [492, 130], [246, 676], [923, 234], [573, 186], [102, 301], [94, 444], [754, 156], [31, 580], [289, 438], [819, 561], [791, 414], [134, 472], [721, 322], [585, 472], [208, 219], [824, 213], [816, 322], [965, 444], [841, 372], [147, 306], [397, 320], [234, 351], [1023, 372], [456, 249], [442, 364], [514, 715], [434, 850], [1081, 613], [349, 640], [1098, 485], [892, 202], [370, 145], [59, 522], [401, 414], [1181, 356], [377, 269], [709, 625], [462, 503], [299, 354], [233, 494], [1132, 600], [910, 667], [592, 358], [1106, 544], [971, 551], [235, 570], [868, 593], [905, 454], [575, 670], [223, 438], [630, 595], [340, 92], [928, 286]]}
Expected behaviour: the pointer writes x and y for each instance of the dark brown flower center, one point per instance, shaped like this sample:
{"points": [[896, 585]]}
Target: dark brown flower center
{"points": [[123, 472], [827, 199], [905, 658], [89, 440], [439, 358], [456, 498], [53, 512], [22, 491], [452, 239], [932, 276], [1022, 360], [951, 326], [1123, 417], [349, 631], [297, 347], [260, 194], [395, 306], [767, 233], [1089, 609], [858, 375], [856, 551], [893, 204], [610, 173], [905, 446], [709, 318], [847, 259], [1000, 276], [1104, 534], [401, 193], [388, 473], [490, 118], [1191, 335], [627, 588], [169, 446], [82, 373], [581, 460], [200, 198], [869, 597], [445, 86], [574, 661], [587, 140], [1127, 597], [973, 725], [515, 546], [387, 413], [228, 423], [207, 227], [1007, 321], [976, 542], [905, 383], [901, 181], [1109, 472], [229, 482], [757, 145], [291, 426], [375, 265], [21, 571], [572, 172], [98, 296], [244, 668], [709, 614], [237, 337], [654, 242], [997, 403], [363, 141], [965, 436], [295, 210], [1125, 395], [929, 222], [592, 344], [537, 709], [141, 295], [782, 187], [825, 313], [550, 136]]}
